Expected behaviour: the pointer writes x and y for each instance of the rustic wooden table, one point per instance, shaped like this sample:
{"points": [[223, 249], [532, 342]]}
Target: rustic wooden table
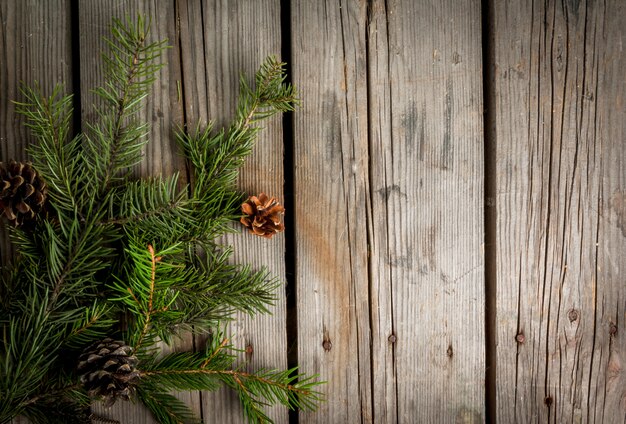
{"points": [[455, 184]]}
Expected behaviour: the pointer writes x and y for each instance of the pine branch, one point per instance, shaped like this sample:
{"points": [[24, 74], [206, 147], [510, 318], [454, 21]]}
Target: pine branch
{"points": [[55, 156], [93, 325], [205, 370], [149, 201], [146, 291], [165, 408], [214, 289], [75, 254], [93, 257], [57, 411], [115, 143], [49, 395], [148, 312], [216, 158], [27, 353]]}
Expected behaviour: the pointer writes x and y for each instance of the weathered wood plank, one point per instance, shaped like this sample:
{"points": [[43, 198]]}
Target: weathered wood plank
{"points": [[220, 40], [384, 391], [427, 264], [331, 197], [561, 190], [163, 110], [35, 47]]}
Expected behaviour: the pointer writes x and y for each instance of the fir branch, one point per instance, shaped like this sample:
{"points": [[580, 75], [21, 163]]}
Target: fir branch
{"points": [[214, 289], [205, 370], [148, 311], [80, 252], [94, 255], [166, 408], [93, 325], [146, 291], [214, 354], [55, 156], [255, 389], [147, 200], [27, 352], [216, 158], [57, 411], [49, 395], [115, 143]]}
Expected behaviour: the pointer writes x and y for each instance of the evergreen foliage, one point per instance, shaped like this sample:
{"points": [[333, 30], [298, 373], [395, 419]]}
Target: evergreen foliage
{"points": [[134, 259]]}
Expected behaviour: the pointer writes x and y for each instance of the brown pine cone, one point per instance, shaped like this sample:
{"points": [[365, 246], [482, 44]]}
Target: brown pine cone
{"points": [[107, 369], [262, 215], [22, 192]]}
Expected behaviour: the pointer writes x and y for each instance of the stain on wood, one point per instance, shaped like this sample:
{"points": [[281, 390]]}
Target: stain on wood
{"points": [[389, 167], [331, 198]]}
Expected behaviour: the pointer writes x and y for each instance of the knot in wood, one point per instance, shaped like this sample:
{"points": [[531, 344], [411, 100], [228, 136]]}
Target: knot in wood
{"points": [[449, 352], [249, 349], [520, 338], [572, 315], [612, 329], [392, 338], [327, 345]]}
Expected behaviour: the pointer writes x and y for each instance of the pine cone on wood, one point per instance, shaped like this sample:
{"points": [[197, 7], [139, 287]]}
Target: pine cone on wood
{"points": [[262, 215], [108, 369], [22, 192]]}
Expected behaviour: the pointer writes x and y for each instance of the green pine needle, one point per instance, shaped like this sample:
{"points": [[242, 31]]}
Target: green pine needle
{"points": [[136, 259]]}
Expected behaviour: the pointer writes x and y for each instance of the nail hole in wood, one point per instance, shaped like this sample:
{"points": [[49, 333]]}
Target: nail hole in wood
{"points": [[327, 345], [548, 401]]}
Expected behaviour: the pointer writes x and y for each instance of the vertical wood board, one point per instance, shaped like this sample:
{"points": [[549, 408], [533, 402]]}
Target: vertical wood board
{"points": [[560, 182], [331, 196], [163, 110], [35, 47], [427, 232], [220, 41]]}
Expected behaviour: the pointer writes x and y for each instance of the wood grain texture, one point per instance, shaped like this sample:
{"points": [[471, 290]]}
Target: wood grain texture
{"points": [[163, 110], [331, 196], [35, 47], [561, 190], [427, 264], [220, 40]]}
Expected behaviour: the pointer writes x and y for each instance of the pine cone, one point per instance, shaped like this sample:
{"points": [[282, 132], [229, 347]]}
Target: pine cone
{"points": [[262, 215], [107, 369], [22, 192]]}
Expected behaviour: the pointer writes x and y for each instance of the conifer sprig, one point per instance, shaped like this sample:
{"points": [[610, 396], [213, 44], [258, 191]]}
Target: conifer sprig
{"points": [[114, 143], [117, 257], [215, 366], [56, 155]]}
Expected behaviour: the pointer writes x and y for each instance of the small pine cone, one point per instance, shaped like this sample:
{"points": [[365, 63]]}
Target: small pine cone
{"points": [[262, 215], [107, 369], [22, 192]]}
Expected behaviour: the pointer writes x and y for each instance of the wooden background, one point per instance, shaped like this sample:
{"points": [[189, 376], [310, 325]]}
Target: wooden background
{"points": [[455, 184]]}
